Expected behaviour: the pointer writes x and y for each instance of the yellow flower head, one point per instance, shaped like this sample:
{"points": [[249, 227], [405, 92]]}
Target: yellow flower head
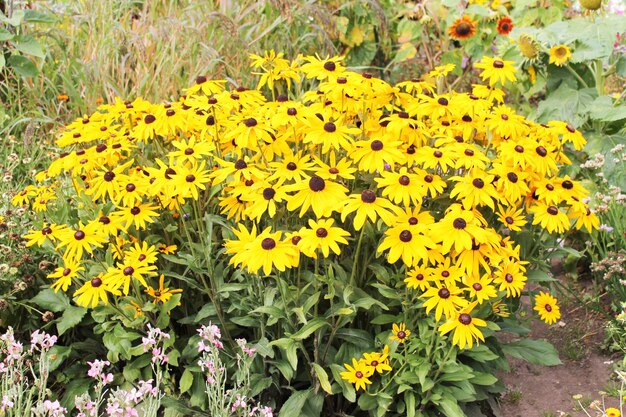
{"points": [[559, 55]]}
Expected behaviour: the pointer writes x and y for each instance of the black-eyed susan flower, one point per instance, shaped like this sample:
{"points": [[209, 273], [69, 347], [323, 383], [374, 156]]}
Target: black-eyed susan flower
{"points": [[377, 361], [162, 294], [138, 216], [465, 327], [122, 274], [330, 134], [64, 274], [419, 277], [264, 197], [292, 167], [500, 309], [462, 28], [481, 289], [474, 189], [268, 251], [368, 206], [94, 291], [323, 235], [612, 412], [560, 55], [189, 179], [399, 332], [49, 232], [79, 240], [568, 134], [496, 70], [511, 217], [374, 155], [401, 187], [357, 374], [322, 68], [444, 299], [546, 307], [323, 196], [550, 217], [409, 243], [510, 276]]}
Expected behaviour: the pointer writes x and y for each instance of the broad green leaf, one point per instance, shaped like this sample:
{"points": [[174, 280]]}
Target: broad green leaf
{"points": [[368, 401], [538, 352], [290, 348], [22, 66], [603, 109], [576, 111], [16, 18], [384, 319], [28, 45], [480, 353], [483, 378], [347, 389], [70, 318], [57, 355], [52, 301], [186, 380], [450, 407], [356, 336], [409, 400], [322, 376], [309, 328], [293, 405], [34, 16], [5, 35]]}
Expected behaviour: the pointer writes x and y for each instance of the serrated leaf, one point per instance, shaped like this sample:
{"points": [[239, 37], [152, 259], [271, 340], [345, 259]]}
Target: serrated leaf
{"points": [[52, 301], [293, 406], [538, 352], [186, 381], [322, 376], [71, 317]]}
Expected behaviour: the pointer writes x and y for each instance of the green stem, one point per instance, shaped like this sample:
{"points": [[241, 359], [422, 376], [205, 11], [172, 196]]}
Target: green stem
{"points": [[356, 256], [578, 77]]}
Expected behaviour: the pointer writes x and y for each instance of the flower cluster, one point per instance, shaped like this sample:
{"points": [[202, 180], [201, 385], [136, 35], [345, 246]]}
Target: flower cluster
{"points": [[465, 27], [354, 152], [361, 370]]}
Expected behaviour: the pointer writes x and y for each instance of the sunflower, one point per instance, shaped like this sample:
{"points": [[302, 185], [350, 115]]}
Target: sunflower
{"points": [[462, 28], [400, 332], [528, 47], [465, 327], [505, 25], [559, 55], [357, 374], [545, 305], [496, 70]]}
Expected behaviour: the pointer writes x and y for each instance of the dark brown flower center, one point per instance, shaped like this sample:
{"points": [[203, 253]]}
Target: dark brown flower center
{"points": [[443, 101], [505, 117], [376, 145], [404, 180], [405, 236], [476, 286], [509, 219], [548, 308], [135, 211], [330, 127], [508, 278], [296, 239], [190, 178], [130, 187], [437, 154], [321, 232], [469, 152], [108, 176], [200, 79], [553, 210], [428, 178], [189, 151], [291, 166], [570, 128], [358, 374], [149, 119], [465, 319], [128, 270], [79, 235], [419, 277], [141, 257], [66, 272], [251, 122], [498, 64], [240, 164], [333, 170], [104, 220], [463, 29], [443, 293], [478, 183], [368, 196], [96, 282], [412, 221], [512, 176], [519, 149], [46, 230], [268, 243], [269, 193], [567, 184], [316, 183], [401, 334], [541, 151], [459, 223], [330, 66], [291, 111]]}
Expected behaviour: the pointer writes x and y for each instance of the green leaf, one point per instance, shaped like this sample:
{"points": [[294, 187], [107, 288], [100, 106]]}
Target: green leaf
{"points": [[480, 353], [322, 376], [347, 389], [52, 301], [483, 378], [293, 405], [16, 19], [450, 407], [186, 380], [409, 400], [34, 16], [368, 401], [57, 355], [356, 337], [309, 328], [384, 319], [538, 352], [603, 109], [70, 318], [5, 35], [539, 276], [22, 66], [578, 104], [290, 348], [28, 45], [2, 63]]}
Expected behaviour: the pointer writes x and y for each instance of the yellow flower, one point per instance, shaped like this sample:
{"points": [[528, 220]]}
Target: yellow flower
{"points": [[545, 305], [357, 374], [161, 294], [559, 55], [465, 327], [612, 412], [496, 70], [400, 332]]}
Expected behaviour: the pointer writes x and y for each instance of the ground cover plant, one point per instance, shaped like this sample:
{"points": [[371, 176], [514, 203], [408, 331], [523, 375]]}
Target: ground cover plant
{"points": [[368, 239]]}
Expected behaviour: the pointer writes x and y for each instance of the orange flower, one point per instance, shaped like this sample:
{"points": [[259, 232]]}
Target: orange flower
{"points": [[505, 25], [463, 28], [63, 97]]}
